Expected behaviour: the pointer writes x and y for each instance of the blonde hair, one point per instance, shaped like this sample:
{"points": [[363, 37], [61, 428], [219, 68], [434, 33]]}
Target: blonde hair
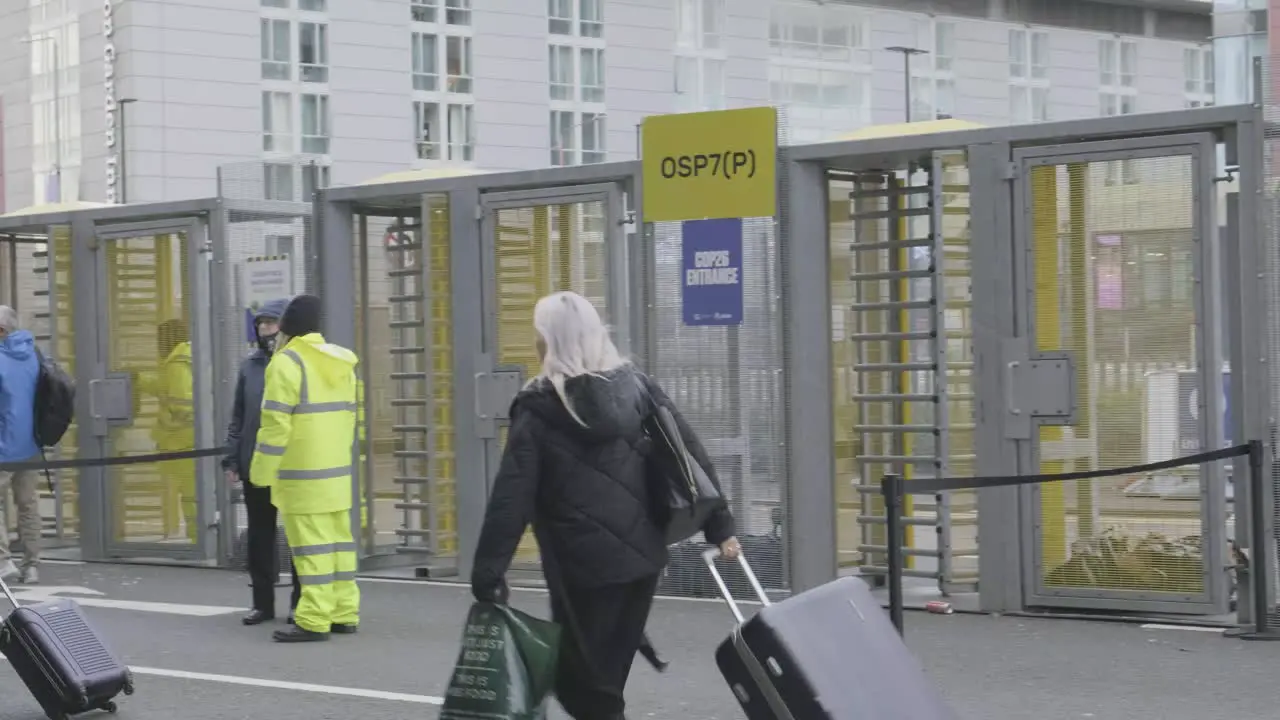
{"points": [[577, 342]]}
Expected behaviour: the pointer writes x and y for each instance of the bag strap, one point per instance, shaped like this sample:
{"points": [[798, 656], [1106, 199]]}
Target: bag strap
{"points": [[48, 476]]}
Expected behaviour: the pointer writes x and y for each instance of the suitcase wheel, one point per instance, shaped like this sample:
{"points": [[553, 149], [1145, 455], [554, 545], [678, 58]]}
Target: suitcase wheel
{"points": [[128, 688], [110, 707]]}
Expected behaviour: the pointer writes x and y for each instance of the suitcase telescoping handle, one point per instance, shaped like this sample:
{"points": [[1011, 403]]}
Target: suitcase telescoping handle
{"points": [[710, 557]]}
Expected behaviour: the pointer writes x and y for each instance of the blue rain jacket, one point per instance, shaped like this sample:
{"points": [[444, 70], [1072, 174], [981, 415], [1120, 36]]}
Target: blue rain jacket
{"points": [[19, 371]]}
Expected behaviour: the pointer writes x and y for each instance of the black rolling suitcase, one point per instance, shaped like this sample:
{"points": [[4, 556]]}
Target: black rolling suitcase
{"points": [[61, 658], [826, 654]]}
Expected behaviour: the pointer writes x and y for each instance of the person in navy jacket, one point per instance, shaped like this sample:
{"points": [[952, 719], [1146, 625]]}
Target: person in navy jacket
{"points": [[242, 436]]}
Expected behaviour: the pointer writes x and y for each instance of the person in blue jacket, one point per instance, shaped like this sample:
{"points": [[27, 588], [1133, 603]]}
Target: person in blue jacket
{"points": [[19, 371], [242, 437]]}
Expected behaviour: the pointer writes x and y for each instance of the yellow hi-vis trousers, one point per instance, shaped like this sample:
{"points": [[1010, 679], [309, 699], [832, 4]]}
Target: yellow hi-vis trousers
{"points": [[324, 553]]}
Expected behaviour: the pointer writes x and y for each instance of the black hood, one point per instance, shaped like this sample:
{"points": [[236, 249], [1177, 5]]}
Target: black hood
{"points": [[612, 405]]}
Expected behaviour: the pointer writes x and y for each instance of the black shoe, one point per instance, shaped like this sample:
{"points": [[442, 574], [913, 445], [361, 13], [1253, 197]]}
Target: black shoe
{"points": [[343, 629], [296, 634], [257, 617]]}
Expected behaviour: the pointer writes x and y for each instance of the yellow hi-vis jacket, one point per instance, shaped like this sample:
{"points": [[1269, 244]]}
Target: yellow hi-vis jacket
{"points": [[175, 426], [306, 441]]}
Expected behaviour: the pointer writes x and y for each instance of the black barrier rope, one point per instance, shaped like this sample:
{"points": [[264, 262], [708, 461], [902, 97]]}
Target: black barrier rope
{"points": [[893, 489], [112, 461], [929, 486]]}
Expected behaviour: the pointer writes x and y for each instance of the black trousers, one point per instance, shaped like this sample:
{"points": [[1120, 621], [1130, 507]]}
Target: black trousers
{"points": [[599, 645], [262, 550]]}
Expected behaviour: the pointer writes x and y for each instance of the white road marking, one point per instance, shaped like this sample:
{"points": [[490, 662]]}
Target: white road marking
{"points": [[1190, 628], [525, 588], [285, 685], [88, 597]]}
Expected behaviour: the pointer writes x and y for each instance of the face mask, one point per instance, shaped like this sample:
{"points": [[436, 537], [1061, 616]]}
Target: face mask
{"points": [[267, 343]]}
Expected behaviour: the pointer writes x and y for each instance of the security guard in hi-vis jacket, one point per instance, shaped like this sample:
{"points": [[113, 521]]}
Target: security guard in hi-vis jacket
{"points": [[304, 455]]}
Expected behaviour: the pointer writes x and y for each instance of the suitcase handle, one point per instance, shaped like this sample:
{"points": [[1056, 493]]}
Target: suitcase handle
{"points": [[4, 586], [709, 557]]}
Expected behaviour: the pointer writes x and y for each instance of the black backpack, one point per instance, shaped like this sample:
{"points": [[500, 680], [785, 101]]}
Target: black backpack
{"points": [[55, 403]]}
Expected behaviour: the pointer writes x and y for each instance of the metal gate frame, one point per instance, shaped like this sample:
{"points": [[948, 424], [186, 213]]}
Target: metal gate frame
{"points": [[1021, 428], [989, 153], [336, 209]]}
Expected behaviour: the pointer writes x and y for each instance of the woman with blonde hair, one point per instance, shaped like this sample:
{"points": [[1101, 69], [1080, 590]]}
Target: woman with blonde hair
{"points": [[574, 467]]}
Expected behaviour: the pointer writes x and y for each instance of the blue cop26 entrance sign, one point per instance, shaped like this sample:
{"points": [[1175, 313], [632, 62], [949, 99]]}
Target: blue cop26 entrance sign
{"points": [[711, 274]]}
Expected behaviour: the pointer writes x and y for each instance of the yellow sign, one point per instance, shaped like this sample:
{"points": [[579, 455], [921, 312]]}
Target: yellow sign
{"points": [[721, 164]]}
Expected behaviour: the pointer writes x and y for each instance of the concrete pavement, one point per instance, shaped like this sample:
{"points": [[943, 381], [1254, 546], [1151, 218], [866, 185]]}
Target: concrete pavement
{"points": [[180, 629]]}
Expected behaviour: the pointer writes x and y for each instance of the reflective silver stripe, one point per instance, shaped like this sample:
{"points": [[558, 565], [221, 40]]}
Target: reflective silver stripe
{"points": [[324, 407], [344, 547], [302, 390], [344, 576], [278, 406], [179, 401], [312, 550], [325, 474], [269, 449], [325, 579]]}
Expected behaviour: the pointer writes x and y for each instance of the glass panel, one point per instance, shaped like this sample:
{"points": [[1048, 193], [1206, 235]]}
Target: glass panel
{"points": [[592, 14], [593, 138], [1107, 62], [461, 132], [457, 12], [1039, 55], [713, 84], [426, 71], [426, 118], [560, 17], [458, 63], [592, 70], [1018, 53], [313, 52], [687, 23], [563, 147], [560, 67], [147, 340], [423, 10], [315, 124], [712, 23], [1128, 63]]}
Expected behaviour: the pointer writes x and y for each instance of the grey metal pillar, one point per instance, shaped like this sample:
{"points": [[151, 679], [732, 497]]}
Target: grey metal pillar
{"points": [[992, 317], [468, 308], [331, 263], [811, 527], [93, 494]]}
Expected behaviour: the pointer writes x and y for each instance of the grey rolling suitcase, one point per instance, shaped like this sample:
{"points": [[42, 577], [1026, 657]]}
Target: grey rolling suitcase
{"points": [[826, 654]]}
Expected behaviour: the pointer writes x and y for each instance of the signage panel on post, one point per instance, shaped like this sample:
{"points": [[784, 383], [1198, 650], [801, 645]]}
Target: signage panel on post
{"points": [[718, 164], [263, 279], [711, 273]]}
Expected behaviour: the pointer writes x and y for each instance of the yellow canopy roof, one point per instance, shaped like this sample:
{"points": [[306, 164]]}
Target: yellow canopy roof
{"points": [[924, 127], [48, 208], [431, 173]]}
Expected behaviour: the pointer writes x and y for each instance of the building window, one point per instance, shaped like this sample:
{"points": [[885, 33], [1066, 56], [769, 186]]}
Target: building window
{"points": [[457, 62], [560, 72], [1197, 73], [699, 83], [573, 131], [1118, 95], [700, 58], [591, 71], [426, 130], [560, 17], [275, 49], [424, 11], [313, 52], [313, 5], [700, 24], [933, 84], [315, 124], [314, 177], [277, 181], [457, 12], [591, 18], [593, 138], [426, 62], [277, 122], [820, 69], [461, 132], [1028, 75], [275, 3]]}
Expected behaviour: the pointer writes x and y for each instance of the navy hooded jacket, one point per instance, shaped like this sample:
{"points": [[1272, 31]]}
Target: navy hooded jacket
{"points": [[246, 414]]}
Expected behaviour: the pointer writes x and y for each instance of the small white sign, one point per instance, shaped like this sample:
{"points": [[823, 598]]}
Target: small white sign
{"points": [[265, 279]]}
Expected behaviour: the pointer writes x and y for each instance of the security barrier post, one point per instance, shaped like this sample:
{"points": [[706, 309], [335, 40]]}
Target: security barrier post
{"points": [[891, 490]]}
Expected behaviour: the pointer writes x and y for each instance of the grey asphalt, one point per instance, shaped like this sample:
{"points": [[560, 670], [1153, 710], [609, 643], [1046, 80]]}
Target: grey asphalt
{"points": [[988, 668]]}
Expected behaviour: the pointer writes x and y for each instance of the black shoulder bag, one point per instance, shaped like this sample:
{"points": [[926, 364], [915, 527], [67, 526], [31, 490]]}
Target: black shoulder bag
{"points": [[688, 496]]}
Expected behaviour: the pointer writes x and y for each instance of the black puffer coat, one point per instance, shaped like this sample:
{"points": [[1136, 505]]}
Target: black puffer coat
{"points": [[584, 489]]}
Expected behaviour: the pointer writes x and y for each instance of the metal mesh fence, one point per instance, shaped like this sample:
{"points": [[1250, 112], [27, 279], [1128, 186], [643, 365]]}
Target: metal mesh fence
{"points": [[728, 382], [262, 255], [1113, 282]]}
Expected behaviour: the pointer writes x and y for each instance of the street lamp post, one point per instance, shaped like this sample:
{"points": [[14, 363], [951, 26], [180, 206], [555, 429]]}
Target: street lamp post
{"points": [[907, 54], [57, 108]]}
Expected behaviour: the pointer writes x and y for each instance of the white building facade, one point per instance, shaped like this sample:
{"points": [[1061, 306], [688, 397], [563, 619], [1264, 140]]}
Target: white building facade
{"points": [[164, 92]]}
